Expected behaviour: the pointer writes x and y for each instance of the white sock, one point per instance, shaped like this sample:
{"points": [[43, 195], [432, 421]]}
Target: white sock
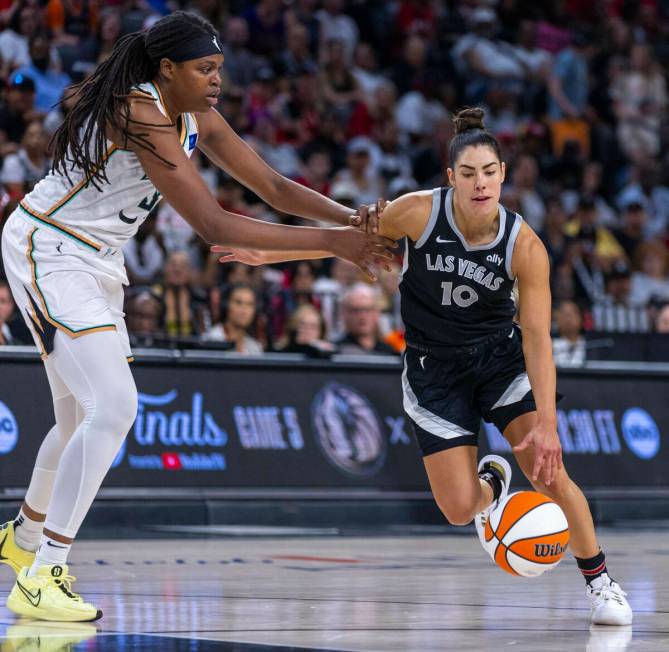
{"points": [[50, 553], [27, 532]]}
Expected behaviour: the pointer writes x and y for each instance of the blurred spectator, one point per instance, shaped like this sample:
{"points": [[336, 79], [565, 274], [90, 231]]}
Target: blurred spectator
{"points": [[480, 57], [650, 282], [366, 69], [583, 226], [231, 107], [316, 172], [304, 12], [412, 72], [524, 181], [266, 27], [569, 82], [296, 56], [265, 141], [391, 328], [389, 158], [299, 118], [359, 173], [238, 313], [98, 46], [618, 312], [631, 233], [299, 290], [662, 320], [144, 254], [306, 333], [21, 171], [648, 188], [340, 87], [143, 314], [50, 81], [184, 304], [329, 289], [640, 95], [336, 25], [14, 39], [569, 346], [591, 186], [240, 62], [6, 312], [16, 112], [70, 20], [419, 113], [361, 315], [553, 236]]}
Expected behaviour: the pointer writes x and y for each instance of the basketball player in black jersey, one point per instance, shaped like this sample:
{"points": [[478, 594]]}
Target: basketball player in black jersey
{"points": [[466, 358]]}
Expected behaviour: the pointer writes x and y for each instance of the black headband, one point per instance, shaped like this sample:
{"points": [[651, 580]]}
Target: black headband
{"points": [[201, 46]]}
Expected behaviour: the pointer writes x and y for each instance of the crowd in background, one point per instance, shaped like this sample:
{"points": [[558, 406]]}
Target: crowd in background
{"points": [[354, 99]]}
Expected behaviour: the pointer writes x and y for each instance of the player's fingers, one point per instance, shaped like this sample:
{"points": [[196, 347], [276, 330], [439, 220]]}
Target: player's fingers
{"points": [[354, 220], [549, 470], [363, 212], [559, 460], [228, 258], [538, 463], [219, 249], [522, 446]]}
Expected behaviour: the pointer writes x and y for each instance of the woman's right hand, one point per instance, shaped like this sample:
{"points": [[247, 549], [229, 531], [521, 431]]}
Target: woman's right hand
{"points": [[364, 250]]}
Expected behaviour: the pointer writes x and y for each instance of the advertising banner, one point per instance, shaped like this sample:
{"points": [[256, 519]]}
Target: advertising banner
{"points": [[326, 426]]}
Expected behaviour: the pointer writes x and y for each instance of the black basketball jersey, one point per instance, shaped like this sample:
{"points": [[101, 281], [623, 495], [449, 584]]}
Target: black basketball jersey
{"points": [[455, 294]]}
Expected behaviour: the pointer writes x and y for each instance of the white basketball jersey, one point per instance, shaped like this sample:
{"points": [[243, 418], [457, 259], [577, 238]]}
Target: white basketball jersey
{"points": [[110, 216]]}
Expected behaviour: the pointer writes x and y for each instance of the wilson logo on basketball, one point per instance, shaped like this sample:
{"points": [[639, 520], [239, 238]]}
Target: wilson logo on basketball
{"points": [[546, 550]]}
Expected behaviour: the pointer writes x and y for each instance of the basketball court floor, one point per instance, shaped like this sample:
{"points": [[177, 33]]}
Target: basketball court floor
{"points": [[322, 592]]}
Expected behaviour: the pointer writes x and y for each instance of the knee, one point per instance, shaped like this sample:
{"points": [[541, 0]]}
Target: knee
{"points": [[558, 490], [457, 512], [116, 411]]}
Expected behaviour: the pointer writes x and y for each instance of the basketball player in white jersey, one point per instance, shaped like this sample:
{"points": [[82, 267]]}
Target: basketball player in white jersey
{"points": [[467, 360], [124, 145]]}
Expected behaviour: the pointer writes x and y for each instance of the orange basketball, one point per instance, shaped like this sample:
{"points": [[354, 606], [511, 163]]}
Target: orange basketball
{"points": [[527, 534]]}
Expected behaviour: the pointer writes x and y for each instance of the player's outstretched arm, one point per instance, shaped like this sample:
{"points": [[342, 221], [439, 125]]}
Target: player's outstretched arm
{"points": [[228, 151], [406, 216], [183, 187], [531, 267]]}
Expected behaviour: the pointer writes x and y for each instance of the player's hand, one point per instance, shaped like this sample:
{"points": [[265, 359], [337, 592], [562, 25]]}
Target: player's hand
{"points": [[364, 250], [547, 452], [253, 257], [368, 216]]}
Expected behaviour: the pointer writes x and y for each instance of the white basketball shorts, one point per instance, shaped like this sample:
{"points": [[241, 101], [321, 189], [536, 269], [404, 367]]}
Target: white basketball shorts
{"points": [[61, 283]]}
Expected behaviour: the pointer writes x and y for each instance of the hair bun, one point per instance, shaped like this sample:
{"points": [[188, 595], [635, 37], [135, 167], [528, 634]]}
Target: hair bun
{"points": [[467, 119]]}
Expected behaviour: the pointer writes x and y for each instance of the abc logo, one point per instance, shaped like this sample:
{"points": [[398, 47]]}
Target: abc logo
{"points": [[9, 430], [641, 433]]}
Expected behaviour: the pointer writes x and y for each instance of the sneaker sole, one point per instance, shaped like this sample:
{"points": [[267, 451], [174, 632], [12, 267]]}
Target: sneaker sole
{"points": [[20, 608]]}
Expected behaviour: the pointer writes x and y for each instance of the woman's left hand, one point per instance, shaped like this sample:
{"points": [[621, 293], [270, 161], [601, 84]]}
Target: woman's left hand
{"points": [[368, 216], [252, 257]]}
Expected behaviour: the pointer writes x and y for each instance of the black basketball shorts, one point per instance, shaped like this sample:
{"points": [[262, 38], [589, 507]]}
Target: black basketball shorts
{"points": [[446, 398]]}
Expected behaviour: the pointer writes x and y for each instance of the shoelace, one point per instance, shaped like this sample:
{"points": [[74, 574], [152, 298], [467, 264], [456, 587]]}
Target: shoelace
{"points": [[64, 583], [610, 592]]}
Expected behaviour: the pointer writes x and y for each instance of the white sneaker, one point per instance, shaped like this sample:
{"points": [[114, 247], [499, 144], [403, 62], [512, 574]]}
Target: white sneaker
{"points": [[608, 603], [504, 469]]}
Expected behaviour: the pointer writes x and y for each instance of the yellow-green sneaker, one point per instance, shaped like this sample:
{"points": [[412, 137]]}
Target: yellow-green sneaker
{"points": [[10, 553], [48, 595]]}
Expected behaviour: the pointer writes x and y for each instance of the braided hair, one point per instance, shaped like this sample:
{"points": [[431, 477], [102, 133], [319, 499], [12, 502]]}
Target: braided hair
{"points": [[102, 99]]}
